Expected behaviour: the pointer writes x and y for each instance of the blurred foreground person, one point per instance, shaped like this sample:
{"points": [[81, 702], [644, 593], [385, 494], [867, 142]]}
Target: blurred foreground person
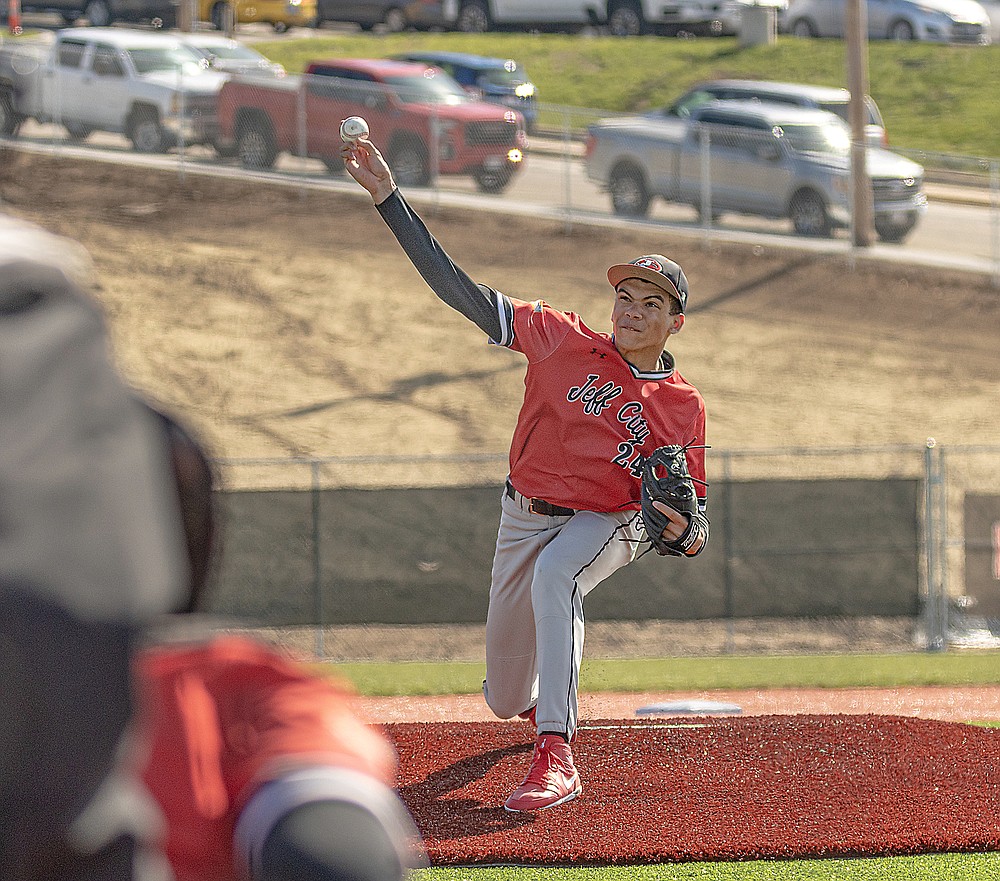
{"points": [[90, 552], [261, 768]]}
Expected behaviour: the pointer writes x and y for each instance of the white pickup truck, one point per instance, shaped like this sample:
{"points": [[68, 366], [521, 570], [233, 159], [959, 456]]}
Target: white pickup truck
{"points": [[621, 17], [754, 158], [149, 86]]}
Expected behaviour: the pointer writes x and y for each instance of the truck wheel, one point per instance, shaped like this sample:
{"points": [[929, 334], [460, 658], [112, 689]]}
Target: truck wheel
{"points": [[808, 214], [408, 161], [224, 150], [98, 13], [625, 20], [395, 21], [473, 17], [222, 16], [893, 232], [902, 31], [629, 194], [492, 180], [255, 145], [145, 132], [803, 27], [10, 120], [77, 131]]}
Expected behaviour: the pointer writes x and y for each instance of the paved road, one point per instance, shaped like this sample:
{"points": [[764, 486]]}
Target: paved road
{"points": [[961, 228]]}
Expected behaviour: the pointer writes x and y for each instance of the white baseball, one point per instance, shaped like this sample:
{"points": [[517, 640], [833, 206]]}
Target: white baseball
{"points": [[352, 128]]}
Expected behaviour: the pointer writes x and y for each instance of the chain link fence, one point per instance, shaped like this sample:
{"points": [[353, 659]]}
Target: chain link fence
{"points": [[905, 534], [902, 538]]}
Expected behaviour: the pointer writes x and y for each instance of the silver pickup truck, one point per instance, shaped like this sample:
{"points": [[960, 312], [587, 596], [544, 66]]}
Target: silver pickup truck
{"points": [[149, 86], [755, 158]]}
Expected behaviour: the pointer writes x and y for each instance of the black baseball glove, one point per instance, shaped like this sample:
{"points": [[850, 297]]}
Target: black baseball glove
{"points": [[676, 489]]}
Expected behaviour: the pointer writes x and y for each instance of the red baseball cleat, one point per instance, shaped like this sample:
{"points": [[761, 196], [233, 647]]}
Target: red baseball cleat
{"points": [[528, 716], [552, 778]]}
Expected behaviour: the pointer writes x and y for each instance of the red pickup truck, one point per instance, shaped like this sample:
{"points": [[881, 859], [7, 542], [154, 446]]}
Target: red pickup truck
{"points": [[424, 121]]}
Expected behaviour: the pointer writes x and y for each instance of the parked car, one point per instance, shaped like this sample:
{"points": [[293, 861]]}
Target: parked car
{"points": [[280, 14], [768, 160], [227, 55], [148, 85], [101, 13], [426, 123], [393, 15], [943, 21], [730, 18], [829, 98], [500, 80]]}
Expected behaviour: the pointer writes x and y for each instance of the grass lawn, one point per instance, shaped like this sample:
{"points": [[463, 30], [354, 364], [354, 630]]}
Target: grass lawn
{"points": [[937, 867], [700, 674]]}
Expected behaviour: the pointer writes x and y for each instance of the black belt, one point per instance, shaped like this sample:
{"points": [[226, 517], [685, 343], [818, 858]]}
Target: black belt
{"points": [[539, 506]]}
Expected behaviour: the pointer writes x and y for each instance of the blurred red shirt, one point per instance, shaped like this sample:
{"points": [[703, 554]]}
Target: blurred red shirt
{"points": [[224, 716]]}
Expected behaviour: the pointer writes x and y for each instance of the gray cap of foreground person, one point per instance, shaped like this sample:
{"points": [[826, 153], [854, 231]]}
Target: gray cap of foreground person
{"points": [[88, 515]]}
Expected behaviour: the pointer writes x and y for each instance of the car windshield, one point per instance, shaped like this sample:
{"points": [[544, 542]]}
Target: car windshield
{"points": [[833, 139], [182, 59], [233, 52], [502, 76], [842, 109], [434, 87]]}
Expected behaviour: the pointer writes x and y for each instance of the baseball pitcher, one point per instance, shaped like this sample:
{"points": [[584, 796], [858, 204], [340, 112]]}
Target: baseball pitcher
{"points": [[579, 501]]}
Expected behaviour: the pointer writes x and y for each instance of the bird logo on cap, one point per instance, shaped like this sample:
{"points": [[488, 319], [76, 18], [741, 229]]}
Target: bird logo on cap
{"points": [[648, 263]]}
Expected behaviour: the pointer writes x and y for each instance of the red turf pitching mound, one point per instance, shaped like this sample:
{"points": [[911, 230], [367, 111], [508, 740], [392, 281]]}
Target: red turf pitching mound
{"points": [[762, 787]]}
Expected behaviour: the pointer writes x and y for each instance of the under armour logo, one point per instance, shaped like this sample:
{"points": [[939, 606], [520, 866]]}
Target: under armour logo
{"points": [[594, 351]]}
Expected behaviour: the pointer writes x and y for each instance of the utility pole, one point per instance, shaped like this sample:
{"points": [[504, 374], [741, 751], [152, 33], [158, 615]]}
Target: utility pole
{"points": [[862, 208]]}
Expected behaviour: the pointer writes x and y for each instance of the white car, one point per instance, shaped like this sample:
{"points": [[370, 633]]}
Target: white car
{"points": [[942, 21], [730, 18], [148, 85], [231, 56]]}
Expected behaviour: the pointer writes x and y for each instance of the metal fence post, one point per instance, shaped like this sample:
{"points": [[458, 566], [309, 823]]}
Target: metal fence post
{"points": [[729, 605], [302, 122], [181, 168], [936, 641], [567, 171], [435, 157], [942, 524], [705, 143], [995, 218], [317, 568]]}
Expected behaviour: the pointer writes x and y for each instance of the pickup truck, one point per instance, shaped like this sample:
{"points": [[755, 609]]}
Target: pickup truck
{"points": [[148, 86], [622, 18], [424, 121], [749, 157]]}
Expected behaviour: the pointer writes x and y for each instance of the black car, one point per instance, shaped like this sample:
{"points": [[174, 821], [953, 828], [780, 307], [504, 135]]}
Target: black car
{"points": [[101, 13], [394, 15]]}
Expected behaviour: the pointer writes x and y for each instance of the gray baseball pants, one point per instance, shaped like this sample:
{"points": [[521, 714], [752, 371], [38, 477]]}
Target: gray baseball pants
{"points": [[543, 568]]}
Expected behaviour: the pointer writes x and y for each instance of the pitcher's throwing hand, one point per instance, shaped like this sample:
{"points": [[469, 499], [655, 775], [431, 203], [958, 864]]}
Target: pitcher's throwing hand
{"points": [[366, 165]]}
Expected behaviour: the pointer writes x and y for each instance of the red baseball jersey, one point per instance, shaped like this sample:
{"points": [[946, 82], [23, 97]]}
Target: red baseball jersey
{"points": [[584, 404], [225, 716]]}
